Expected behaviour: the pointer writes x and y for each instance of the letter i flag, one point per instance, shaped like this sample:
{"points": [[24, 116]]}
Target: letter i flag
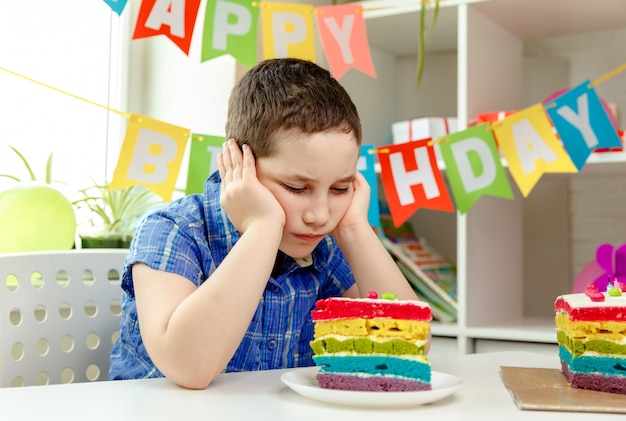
{"points": [[412, 179], [151, 156], [473, 166]]}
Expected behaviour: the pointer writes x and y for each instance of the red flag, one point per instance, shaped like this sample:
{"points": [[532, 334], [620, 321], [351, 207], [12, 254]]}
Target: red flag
{"points": [[344, 39], [412, 180], [173, 18]]}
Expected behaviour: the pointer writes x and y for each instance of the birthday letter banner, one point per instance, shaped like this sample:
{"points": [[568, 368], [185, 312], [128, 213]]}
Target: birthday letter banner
{"points": [[534, 141]]}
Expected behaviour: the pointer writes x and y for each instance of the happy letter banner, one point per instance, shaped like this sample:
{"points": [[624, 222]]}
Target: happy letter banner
{"points": [[288, 30]]}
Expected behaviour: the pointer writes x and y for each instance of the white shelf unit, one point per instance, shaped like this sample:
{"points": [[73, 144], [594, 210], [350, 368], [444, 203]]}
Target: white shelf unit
{"points": [[513, 256]]}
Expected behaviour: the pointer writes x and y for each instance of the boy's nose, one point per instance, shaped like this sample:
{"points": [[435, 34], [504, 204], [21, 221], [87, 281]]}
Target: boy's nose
{"points": [[317, 213]]}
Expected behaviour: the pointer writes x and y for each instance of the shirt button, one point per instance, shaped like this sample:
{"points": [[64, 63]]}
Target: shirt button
{"points": [[271, 344], [274, 288]]}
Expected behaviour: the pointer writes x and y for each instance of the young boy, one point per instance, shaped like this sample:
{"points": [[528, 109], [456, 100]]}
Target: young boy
{"points": [[226, 280]]}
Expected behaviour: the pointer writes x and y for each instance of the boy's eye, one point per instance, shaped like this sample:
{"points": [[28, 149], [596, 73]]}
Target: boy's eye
{"points": [[293, 189], [340, 190]]}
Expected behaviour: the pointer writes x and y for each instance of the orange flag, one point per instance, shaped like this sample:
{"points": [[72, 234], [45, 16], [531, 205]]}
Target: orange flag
{"points": [[173, 18], [412, 179], [344, 39]]}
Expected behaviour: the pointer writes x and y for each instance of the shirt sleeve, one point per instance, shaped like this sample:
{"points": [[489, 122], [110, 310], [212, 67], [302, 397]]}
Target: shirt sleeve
{"points": [[165, 243]]}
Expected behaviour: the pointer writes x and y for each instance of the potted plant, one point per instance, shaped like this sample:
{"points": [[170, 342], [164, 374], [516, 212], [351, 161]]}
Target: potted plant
{"points": [[108, 218]]}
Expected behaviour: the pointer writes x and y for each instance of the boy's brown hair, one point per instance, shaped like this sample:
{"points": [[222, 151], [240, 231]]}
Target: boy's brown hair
{"points": [[283, 94]]}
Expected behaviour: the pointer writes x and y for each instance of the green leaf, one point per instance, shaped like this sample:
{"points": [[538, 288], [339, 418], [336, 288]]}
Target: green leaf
{"points": [[25, 162], [425, 34]]}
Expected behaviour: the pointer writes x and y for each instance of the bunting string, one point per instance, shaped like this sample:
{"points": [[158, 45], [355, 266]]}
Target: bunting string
{"points": [[608, 75], [122, 113]]}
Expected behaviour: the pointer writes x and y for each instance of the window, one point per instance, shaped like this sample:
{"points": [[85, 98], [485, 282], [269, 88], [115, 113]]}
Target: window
{"points": [[77, 46]]}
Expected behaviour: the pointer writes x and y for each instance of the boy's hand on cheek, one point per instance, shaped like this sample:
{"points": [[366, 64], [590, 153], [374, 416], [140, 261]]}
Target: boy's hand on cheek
{"points": [[243, 197], [356, 215]]}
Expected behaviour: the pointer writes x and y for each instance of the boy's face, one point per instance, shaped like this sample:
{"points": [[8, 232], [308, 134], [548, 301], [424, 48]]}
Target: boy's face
{"points": [[311, 177]]}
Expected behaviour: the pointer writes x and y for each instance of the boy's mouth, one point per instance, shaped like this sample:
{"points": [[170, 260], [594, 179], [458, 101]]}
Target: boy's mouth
{"points": [[309, 238]]}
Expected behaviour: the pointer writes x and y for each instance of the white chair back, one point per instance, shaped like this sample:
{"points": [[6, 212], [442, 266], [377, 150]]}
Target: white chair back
{"points": [[59, 315]]}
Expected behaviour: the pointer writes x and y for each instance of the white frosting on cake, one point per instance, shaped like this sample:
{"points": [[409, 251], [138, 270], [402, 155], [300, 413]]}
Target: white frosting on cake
{"points": [[581, 300]]}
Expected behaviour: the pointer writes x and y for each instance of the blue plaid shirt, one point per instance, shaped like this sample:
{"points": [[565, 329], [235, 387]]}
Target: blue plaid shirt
{"points": [[191, 237]]}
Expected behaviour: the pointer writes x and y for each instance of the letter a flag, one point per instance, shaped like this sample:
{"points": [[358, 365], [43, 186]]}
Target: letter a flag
{"points": [[173, 18], [230, 27], [531, 148], [412, 179], [344, 38], [366, 166], [117, 5], [582, 123], [151, 156], [202, 160], [473, 166], [288, 31]]}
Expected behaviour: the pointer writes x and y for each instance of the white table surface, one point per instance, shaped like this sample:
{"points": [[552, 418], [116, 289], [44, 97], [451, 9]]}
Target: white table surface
{"points": [[261, 395]]}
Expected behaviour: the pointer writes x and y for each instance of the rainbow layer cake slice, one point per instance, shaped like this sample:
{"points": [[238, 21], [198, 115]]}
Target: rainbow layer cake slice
{"points": [[372, 344], [591, 332]]}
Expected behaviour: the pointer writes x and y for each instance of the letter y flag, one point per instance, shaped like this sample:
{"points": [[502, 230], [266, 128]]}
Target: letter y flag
{"points": [[343, 35], [151, 155]]}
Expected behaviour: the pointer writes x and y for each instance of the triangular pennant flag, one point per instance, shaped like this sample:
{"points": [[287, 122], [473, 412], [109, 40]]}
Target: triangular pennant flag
{"points": [[531, 148], [582, 123], [412, 180], [202, 160], [366, 166], [151, 155], [173, 18], [117, 5], [288, 31], [473, 166], [230, 27], [344, 39]]}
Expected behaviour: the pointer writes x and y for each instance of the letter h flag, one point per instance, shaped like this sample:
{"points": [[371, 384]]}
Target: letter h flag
{"points": [[412, 179]]}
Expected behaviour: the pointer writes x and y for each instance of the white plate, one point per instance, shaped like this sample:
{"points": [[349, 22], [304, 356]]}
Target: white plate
{"points": [[303, 381]]}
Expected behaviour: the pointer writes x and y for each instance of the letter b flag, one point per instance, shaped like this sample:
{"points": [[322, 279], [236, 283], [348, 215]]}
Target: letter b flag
{"points": [[151, 155]]}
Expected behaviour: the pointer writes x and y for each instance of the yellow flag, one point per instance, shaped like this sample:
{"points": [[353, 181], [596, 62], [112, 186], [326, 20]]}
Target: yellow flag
{"points": [[288, 31], [531, 147], [151, 155]]}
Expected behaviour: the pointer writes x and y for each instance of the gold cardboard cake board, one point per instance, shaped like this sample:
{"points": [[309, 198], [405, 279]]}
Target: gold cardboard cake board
{"points": [[545, 389]]}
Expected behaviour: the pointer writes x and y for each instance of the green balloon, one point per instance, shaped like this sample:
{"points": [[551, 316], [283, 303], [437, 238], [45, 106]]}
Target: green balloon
{"points": [[35, 217]]}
